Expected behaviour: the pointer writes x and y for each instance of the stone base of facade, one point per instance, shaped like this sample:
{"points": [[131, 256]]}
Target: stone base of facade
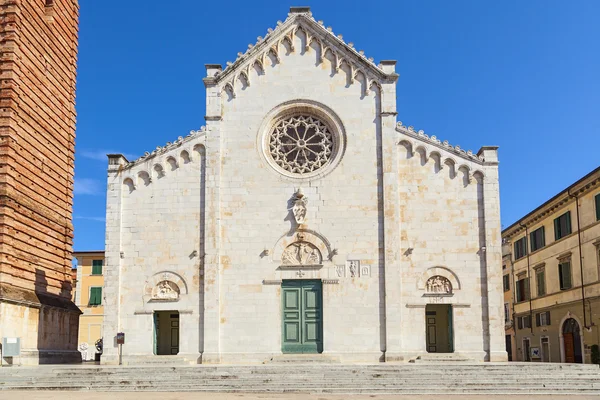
{"points": [[498, 356], [46, 325], [39, 357]]}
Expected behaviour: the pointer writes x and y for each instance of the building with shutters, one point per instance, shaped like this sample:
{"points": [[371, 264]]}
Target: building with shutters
{"points": [[553, 258], [89, 298], [303, 218]]}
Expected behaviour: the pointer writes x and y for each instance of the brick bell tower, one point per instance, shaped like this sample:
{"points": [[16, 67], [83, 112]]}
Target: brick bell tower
{"points": [[38, 59]]}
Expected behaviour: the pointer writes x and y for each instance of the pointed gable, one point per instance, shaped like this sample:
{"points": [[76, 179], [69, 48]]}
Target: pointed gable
{"points": [[299, 19]]}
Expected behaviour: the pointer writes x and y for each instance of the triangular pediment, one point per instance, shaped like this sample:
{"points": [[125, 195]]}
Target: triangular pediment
{"points": [[316, 35]]}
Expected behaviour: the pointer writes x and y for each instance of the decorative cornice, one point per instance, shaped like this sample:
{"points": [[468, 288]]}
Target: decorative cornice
{"points": [[566, 196], [169, 146], [410, 131], [315, 32]]}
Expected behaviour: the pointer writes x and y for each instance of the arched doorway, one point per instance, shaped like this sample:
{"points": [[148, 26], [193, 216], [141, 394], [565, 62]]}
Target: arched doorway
{"points": [[571, 338]]}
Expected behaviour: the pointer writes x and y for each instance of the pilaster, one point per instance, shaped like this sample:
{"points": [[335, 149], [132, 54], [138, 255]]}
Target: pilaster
{"points": [[492, 254], [212, 231], [390, 219], [112, 269]]}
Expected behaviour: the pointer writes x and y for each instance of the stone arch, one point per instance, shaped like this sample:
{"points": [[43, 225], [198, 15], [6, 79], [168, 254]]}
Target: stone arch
{"points": [[229, 91], [258, 68], [439, 271], [159, 171], [451, 164], [561, 340], [243, 80], [437, 161], [172, 163], [129, 183], [422, 151], [302, 235], [178, 283], [144, 178], [405, 148], [466, 174], [185, 157]]}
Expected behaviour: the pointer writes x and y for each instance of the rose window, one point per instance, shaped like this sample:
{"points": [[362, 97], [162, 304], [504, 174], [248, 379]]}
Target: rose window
{"points": [[301, 144]]}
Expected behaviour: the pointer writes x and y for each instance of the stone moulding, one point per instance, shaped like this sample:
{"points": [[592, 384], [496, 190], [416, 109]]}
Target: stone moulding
{"points": [[433, 140], [169, 146], [299, 266], [272, 282]]}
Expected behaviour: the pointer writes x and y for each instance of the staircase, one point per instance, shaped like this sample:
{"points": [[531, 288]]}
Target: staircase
{"points": [[440, 378]]}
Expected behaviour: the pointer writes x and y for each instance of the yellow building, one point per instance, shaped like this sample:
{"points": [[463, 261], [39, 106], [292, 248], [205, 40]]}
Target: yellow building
{"points": [[89, 298], [555, 276], [508, 284]]}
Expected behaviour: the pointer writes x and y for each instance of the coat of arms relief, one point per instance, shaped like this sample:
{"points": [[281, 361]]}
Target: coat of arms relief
{"points": [[299, 206]]}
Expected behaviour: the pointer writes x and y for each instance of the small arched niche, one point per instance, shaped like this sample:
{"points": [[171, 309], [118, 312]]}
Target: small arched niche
{"points": [[185, 157], [159, 171], [172, 163], [128, 183]]}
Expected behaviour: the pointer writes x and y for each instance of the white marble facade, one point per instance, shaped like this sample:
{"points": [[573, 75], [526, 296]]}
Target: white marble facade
{"points": [[303, 172]]}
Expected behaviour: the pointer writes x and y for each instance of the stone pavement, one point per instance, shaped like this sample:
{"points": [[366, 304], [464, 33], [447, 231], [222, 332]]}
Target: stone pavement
{"points": [[28, 395]]}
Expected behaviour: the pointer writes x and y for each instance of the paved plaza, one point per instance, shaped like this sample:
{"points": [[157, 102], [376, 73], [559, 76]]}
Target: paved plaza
{"points": [[229, 396]]}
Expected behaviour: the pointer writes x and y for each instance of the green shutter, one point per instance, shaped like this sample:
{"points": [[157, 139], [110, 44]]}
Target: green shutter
{"points": [[556, 229], [95, 296], [538, 321], [568, 230], [567, 275], [547, 317], [597, 207], [527, 289], [97, 267], [520, 322], [518, 290]]}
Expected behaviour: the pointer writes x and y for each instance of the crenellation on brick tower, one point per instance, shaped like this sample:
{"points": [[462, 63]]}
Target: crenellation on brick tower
{"points": [[38, 61]]}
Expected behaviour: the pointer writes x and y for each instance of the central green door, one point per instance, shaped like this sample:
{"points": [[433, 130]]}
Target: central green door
{"points": [[302, 319]]}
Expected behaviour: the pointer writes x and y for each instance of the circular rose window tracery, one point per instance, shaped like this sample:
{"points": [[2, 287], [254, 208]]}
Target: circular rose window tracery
{"points": [[301, 144]]}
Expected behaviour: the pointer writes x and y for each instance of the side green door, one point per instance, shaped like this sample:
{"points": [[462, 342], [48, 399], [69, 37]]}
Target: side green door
{"points": [[302, 319]]}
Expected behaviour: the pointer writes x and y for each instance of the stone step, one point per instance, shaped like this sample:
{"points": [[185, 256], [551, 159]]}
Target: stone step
{"points": [[289, 376]]}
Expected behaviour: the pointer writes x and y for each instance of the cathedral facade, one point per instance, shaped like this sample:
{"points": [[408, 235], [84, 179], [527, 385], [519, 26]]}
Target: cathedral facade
{"points": [[303, 218]]}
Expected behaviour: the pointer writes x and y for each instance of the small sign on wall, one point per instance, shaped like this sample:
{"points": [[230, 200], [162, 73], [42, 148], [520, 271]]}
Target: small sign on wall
{"points": [[121, 338], [535, 352]]}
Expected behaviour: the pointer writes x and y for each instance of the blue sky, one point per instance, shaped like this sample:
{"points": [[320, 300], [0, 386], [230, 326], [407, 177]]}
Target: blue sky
{"points": [[522, 75]]}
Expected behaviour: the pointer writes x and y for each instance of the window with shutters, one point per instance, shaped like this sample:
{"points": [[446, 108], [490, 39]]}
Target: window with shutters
{"points": [[562, 225], [597, 201], [564, 274], [95, 296], [506, 282], [521, 248], [542, 319], [524, 322], [540, 281], [537, 239], [522, 289], [506, 313], [97, 267]]}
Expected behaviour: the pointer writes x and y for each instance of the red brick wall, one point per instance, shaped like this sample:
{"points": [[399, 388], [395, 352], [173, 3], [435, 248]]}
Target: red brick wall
{"points": [[38, 56]]}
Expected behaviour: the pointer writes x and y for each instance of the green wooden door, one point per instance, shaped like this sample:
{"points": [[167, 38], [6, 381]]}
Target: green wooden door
{"points": [[302, 319]]}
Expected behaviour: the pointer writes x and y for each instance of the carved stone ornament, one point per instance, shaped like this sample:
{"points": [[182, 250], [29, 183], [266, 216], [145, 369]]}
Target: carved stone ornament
{"points": [[301, 144], [165, 291], [353, 267], [299, 206], [301, 253], [438, 284]]}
